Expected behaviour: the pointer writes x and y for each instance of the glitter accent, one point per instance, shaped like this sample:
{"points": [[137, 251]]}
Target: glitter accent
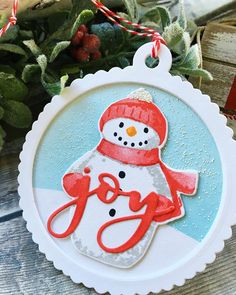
{"points": [[141, 94]]}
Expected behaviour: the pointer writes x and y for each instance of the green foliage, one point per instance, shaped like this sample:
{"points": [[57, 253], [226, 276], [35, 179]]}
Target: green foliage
{"points": [[1, 112], [182, 21], [12, 48], [2, 136], [36, 51], [157, 18], [132, 9], [11, 35], [12, 87], [16, 113], [36, 54], [173, 34], [29, 72]]}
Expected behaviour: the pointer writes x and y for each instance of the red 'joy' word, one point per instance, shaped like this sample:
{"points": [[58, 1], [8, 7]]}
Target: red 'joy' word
{"points": [[77, 186]]}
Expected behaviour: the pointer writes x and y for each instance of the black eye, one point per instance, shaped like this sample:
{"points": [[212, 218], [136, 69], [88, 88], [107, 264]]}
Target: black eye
{"points": [[121, 125], [112, 212], [146, 130]]}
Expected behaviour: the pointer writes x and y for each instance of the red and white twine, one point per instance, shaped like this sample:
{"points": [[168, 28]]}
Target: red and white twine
{"points": [[147, 32], [12, 19], [115, 18]]}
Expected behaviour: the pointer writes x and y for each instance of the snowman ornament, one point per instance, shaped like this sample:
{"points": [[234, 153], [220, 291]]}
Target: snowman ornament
{"points": [[121, 191]]}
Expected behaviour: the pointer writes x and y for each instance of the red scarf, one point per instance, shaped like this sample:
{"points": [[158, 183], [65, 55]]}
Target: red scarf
{"points": [[183, 182]]}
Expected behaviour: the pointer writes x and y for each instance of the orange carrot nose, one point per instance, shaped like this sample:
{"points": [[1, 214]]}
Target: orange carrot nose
{"points": [[131, 131]]}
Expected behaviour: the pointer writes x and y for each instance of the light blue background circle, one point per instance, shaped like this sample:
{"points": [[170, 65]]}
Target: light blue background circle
{"points": [[190, 146]]}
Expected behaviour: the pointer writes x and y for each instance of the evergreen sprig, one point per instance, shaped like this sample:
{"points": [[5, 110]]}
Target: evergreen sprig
{"points": [[36, 54]]}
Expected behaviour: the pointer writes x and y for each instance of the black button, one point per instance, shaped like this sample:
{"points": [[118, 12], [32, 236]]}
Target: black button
{"points": [[119, 138], [125, 143], [122, 174], [132, 144], [115, 134], [112, 212], [146, 142], [140, 143]]}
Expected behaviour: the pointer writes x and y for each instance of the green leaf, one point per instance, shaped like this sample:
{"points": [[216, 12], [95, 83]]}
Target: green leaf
{"points": [[182, 17], [2, 132], [2, 136], [55, 88], [1, 112], [79, 6], [131, 7], [12, 88], [192, 59], [70, 69], [52, 86], [33, 47], [196, 73], [68, 29], [29, 72], [152, 25], [25, 34], [7, 69], [158, 15], [42, 61], [164, 16], [17, 114], [59, 47], [84, 17], [10, 35], [13, 49], [183, 46], [173, 35], [123, 61], [1, 141]]}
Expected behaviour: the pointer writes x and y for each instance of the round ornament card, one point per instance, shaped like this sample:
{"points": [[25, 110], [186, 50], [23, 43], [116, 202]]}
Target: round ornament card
{"points": [[126, 179]]}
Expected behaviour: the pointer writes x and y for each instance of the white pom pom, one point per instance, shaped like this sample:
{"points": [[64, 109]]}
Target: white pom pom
{"points": [[141, 94]]}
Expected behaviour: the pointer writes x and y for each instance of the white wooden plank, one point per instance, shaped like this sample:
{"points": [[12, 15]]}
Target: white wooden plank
{"points": [[24, 270], [219, 88], [219, 43]]}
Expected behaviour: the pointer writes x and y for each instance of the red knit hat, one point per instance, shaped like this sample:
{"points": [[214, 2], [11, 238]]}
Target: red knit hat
{"points": [[139, 107]]}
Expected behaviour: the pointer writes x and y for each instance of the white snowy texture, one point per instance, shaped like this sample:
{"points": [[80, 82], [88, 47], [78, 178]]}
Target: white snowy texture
{"points": [[141, 94]]}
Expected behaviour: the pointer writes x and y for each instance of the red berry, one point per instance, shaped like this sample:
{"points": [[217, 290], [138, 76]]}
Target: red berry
{"points": [[80, 54], [83, 29], [96, 55], [91, 43], [76, 40]]}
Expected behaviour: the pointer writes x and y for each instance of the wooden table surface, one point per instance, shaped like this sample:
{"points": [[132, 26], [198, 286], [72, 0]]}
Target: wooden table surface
{"points": [[24, 270]]}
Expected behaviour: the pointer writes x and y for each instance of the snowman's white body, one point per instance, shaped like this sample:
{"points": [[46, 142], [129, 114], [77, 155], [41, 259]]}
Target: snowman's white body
{"points": [[142, 179]]}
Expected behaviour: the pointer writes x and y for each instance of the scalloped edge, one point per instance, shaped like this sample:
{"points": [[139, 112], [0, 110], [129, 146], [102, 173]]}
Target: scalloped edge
{"points": [[226, 217]]}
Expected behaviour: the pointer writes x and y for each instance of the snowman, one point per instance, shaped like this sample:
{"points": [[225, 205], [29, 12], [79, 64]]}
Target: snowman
{"points": [[121, 191]]}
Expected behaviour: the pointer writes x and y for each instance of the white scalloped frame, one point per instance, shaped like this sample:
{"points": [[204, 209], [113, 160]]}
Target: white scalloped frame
{"points": [[216, 123]]}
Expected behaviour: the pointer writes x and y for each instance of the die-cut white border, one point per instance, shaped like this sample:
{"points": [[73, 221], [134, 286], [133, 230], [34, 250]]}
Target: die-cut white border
{"points": [[216, 123]]}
